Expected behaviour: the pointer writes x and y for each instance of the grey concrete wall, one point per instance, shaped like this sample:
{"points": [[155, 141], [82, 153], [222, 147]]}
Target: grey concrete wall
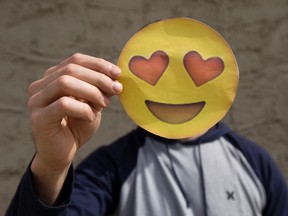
{"points": [[36, 34]]}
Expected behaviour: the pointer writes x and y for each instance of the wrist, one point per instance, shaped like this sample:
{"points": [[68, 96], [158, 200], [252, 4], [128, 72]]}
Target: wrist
{"points": [[43, 167], [48, 179]]}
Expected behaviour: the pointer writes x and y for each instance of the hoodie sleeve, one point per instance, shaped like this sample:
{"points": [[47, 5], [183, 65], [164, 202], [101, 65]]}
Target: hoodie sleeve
{"points": [[96, 188], [26, 202], [92, 189], [89, 190], [268, 173]]}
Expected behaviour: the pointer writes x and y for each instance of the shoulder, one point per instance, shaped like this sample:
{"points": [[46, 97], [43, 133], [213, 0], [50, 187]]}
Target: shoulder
{"points": [[259, 159], [124, 148], [267, 172]]}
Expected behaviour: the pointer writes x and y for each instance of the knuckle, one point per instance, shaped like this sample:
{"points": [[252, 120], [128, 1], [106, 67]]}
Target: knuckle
{"points": [[105, 83], [48, 71], [31, 88], [76, 58], [101, 61], [64, 82], [30, 103], [63, 103], [109, 67], [34, 117], [102, 78], [69, 69]]}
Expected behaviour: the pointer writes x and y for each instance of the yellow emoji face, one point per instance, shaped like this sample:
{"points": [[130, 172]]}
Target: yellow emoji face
{"points": [[179, 78]]}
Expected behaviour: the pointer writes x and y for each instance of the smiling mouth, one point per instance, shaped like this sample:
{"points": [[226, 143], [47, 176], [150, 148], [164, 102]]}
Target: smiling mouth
{"points": [[174, 113]]}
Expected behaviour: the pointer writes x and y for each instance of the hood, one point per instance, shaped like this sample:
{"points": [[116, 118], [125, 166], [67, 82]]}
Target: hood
{"points": [[218, 130]]}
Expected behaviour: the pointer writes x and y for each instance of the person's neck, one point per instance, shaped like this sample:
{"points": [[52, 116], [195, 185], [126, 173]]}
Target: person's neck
{"points": [[183, 140]]}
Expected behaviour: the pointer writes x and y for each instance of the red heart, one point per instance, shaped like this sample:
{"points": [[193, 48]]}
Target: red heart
{"points": [[152, 69], [202, 71]]}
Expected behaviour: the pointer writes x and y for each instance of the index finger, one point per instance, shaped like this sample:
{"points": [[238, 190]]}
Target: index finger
{"points": [[93, 63]]}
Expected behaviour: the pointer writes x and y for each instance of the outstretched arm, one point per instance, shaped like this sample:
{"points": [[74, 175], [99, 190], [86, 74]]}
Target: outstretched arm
{"points": [[65, 107]]}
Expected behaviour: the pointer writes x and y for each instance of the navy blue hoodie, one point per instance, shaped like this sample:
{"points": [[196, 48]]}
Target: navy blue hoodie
{"points": [[218, 174]]}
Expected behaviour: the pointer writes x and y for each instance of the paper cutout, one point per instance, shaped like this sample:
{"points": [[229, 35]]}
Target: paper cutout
{"points": [[179, 78], [202, 71], [149, 70]]}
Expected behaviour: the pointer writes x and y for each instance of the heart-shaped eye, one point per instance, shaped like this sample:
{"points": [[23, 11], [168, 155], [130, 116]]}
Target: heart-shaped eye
{"points": [[149, 70], [202, 71]]}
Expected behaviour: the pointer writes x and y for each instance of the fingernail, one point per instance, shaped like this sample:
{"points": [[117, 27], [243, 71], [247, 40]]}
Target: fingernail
{"points": [[106, 101], [117, 87], [92, 118]]}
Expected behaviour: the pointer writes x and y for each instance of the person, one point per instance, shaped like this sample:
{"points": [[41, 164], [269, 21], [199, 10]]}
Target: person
{"points": [[216, 173]]}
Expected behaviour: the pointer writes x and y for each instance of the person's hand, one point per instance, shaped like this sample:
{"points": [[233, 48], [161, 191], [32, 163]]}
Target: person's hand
{"points": [[65, 107]]}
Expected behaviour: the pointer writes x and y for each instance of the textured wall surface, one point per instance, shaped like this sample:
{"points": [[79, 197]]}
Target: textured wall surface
{"points": [[35, 35]]}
